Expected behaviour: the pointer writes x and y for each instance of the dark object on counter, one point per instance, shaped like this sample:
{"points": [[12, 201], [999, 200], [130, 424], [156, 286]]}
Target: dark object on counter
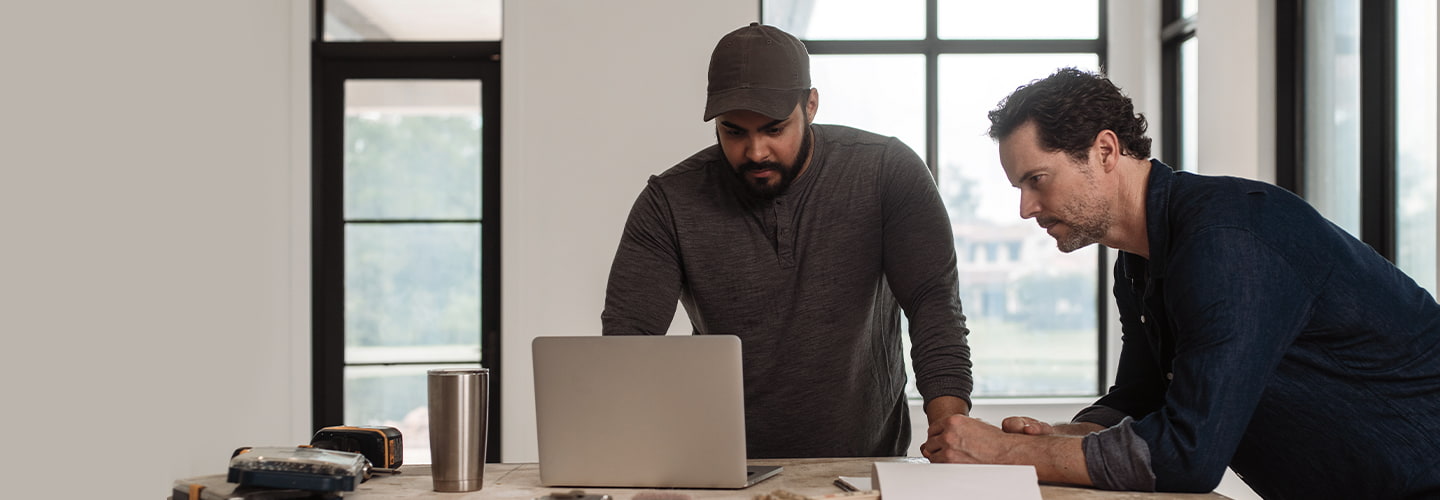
{"points": [[302, 468], [381, 445]]}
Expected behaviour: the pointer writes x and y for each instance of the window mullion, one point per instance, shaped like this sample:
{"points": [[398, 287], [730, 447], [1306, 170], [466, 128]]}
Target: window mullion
{"points": [[1377, 126]]}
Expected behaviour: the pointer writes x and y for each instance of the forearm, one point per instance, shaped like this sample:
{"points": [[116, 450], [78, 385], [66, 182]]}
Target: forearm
{"points": [[945, 406], [940, 351], [961, 439], [921, 268], [939, 347], [1057, 459]]}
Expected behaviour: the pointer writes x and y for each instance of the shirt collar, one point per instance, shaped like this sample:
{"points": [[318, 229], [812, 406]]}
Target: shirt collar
{"points": [[817, 160], [1157, 223]]}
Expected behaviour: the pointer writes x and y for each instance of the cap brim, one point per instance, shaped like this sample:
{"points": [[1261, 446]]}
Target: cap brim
{"points": [[773, 103]]}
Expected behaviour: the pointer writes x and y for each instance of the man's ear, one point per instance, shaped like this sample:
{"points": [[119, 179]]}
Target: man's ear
{"points": [[1107, 147], [812, 103]]}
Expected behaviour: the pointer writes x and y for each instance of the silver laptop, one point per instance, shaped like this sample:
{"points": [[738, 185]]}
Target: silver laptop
{"points": [[642, 411]]}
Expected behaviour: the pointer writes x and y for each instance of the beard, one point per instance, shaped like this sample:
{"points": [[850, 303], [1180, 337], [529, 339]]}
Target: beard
{"points": [[763, 188], [1088, 217]]}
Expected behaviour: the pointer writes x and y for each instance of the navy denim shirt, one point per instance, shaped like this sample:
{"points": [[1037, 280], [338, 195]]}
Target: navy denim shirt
{"points": [[1261, 336]]}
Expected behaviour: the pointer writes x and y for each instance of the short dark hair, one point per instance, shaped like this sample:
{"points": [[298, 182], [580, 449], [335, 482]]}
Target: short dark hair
{"points": [[1069, 109]]}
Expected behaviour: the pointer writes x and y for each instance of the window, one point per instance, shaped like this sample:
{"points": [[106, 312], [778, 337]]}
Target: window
{"points": [[1180, 76], [410, 21], [405, 210], [1361, 144], [1415, 139], [928, 72], [1332, 111]]}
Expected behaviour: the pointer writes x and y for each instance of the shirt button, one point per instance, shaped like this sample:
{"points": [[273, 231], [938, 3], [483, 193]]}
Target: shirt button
{"points": [[1170, 376], [1142, 319]]}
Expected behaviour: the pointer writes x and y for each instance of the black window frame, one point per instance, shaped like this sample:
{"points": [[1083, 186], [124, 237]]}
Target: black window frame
{"points": [[1377, 114], [932, 47], [333, 63], [1175, 30]]}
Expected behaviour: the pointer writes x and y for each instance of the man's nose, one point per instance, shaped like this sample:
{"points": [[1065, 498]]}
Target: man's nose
{"points": [[757, 150], [1029, 206]]}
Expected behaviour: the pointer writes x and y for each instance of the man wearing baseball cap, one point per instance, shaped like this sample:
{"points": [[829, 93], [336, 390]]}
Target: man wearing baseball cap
{"points": [[806, 241]]}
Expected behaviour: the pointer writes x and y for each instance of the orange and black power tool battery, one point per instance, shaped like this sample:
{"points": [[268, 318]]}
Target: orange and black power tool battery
{"points": [[381, 445]]}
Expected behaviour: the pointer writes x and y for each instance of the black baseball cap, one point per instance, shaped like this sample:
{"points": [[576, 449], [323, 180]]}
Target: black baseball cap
{"points": [[757, 68]]}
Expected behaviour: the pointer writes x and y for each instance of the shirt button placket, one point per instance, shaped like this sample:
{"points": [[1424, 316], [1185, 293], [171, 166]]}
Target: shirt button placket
{"points": [[783, 221]]}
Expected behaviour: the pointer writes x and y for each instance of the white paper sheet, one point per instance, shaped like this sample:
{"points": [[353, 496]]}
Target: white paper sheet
{"points": [[915, 481]]}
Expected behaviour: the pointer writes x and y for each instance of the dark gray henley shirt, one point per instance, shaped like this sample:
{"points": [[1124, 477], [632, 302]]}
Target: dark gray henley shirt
{"points": [[812, 282]]}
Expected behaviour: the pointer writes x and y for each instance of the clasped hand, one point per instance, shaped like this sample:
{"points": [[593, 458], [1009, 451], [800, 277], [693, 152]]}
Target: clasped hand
{"points": [[964, 440]]}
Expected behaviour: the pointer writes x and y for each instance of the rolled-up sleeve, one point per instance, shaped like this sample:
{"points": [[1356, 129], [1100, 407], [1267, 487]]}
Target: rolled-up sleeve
{"points": [[1117, 459]]}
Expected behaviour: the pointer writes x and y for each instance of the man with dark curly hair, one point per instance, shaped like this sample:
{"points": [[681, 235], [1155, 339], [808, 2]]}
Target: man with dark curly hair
{"points": [[1257, 335]]}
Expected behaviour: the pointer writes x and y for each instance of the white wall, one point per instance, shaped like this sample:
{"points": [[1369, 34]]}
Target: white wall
{"points": [[1134, 59], [153, 200], [597, 97], [1134, 62], [1237, 88]]}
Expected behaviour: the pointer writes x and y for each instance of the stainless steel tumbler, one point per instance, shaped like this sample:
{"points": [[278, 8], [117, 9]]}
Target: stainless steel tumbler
{"points": [[459, 402]]}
